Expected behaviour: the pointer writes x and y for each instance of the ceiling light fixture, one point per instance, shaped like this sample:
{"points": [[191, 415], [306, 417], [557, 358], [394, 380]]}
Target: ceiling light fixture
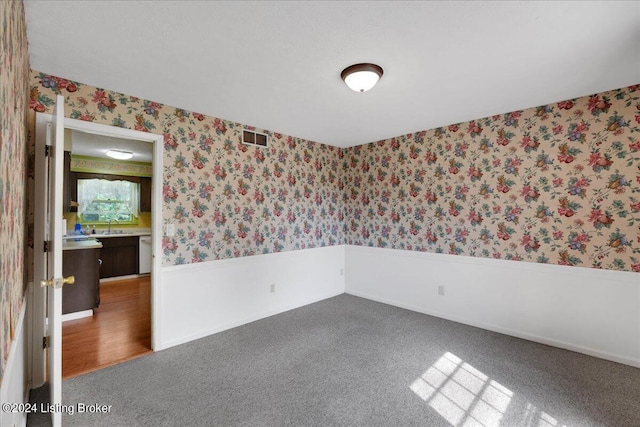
{"points": [[361, 77], [120, 154]]}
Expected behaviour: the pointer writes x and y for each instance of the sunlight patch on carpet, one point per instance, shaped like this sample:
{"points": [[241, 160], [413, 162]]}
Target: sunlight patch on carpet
{"points": [[466, 397]]}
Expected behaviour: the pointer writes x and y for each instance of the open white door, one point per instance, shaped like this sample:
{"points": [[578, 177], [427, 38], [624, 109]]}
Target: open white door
{"points": [[47, 216], [53, 244]]}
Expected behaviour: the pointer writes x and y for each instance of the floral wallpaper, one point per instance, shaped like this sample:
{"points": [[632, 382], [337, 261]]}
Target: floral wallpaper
{"points": [[14, 74], [224, 198], [553, 184], [556, 184]]}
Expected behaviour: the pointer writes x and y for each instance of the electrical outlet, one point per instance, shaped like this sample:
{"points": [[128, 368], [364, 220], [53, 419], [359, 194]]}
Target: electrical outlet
{"points": [[342, 271], [272, 288], [171, 231], [441, 290]]}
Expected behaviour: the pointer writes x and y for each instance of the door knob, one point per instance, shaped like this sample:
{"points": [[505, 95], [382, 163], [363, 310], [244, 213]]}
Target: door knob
{"points": [[59, 282]]}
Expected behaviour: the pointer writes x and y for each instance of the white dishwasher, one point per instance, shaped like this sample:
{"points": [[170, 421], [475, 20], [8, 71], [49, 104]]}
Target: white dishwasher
{"points": [[144, 249]]}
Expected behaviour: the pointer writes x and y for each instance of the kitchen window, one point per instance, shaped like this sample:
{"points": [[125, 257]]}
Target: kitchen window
{"points": [[101, 201]]}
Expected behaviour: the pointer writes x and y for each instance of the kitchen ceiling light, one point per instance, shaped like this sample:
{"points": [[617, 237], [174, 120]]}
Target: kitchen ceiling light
{"points": [[119, 154], [361, 77]]}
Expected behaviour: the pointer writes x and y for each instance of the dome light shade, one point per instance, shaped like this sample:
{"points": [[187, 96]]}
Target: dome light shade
{"points": [[120, 154], [361, 77]]}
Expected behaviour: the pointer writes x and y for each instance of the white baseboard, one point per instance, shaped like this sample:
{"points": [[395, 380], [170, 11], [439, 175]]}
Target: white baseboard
{"points": [[590, 311], [505, 331], [200, 299], [77, 315], [14, 387], [244, 321]]}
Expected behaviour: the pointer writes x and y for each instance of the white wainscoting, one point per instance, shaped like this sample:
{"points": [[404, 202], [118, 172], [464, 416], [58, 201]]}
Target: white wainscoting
{"points": [[14, 387], [201, 299], [591, 311]]}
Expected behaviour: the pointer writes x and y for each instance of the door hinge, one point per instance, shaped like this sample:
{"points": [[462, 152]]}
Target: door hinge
{"points": [[45, 342], [47, 150], [47, 245]]}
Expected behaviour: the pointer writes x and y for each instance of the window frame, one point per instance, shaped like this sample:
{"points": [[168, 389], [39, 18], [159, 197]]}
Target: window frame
{"points": [[108, 177]]}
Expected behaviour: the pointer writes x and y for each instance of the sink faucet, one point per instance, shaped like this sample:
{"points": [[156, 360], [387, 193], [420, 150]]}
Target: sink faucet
{"points": [[109, 230]]}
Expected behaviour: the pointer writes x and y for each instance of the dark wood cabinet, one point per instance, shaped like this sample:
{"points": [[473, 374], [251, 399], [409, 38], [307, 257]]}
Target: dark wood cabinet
{"points": [[145, 194], [84, 294], [66, 184], [70, 186], [119, 256]]}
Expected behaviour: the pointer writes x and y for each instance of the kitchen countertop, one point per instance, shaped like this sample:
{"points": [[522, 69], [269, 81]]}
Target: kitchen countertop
{"points": [[114, 233], [88, 243]]}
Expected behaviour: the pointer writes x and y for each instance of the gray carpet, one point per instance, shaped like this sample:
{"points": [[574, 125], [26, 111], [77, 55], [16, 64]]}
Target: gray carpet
{"points": [[347, 361]]}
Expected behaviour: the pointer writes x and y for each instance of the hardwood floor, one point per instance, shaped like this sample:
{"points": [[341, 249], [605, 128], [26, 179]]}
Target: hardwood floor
{"points": [[119, 330]]}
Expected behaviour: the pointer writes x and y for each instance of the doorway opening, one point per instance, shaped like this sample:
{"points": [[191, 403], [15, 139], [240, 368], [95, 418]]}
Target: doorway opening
{"points": [[133, 298]]}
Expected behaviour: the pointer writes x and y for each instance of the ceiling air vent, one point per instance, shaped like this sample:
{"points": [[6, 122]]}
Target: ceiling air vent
{"points": [[251, 137]]}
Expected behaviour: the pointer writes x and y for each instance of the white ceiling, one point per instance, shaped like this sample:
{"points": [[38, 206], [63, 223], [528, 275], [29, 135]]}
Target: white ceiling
{"points": [[93, 145], [276, 65]]}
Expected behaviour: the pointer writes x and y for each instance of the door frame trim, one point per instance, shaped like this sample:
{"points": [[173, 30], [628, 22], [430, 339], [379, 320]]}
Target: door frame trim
{"points": [[37, 328]]}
